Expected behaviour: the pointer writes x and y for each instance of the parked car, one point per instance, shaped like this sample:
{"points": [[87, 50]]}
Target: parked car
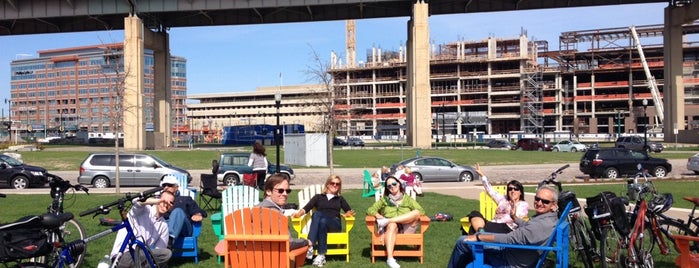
{"points": [[569, 146], [135, 169], [499, 144], [693, 163], [232, 167], [528, 144], [19, 175], [616, 162], [355, 141], [339, 142], [638, 143], [428, 169]]}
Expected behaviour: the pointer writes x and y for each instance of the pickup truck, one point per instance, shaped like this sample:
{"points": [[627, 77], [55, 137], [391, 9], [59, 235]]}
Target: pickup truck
{"points": [[232, 166]]}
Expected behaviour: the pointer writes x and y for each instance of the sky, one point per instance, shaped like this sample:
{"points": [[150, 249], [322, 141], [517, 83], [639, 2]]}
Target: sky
{"points": [[225, 59]]}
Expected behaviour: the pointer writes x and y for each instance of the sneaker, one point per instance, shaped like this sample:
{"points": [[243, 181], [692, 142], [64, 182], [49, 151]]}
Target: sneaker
{"points": [[382, 222], [392, 263], [319, 261], [309, 253]]}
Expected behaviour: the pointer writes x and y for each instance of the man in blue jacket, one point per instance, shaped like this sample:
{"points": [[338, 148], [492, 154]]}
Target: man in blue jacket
{"points": [[536, 231], [185, 211]]}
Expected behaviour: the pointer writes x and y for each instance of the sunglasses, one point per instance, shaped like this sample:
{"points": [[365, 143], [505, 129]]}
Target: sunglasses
{"points": [[281, 191], [169, 185], [335, 183], [543, 201], [512, 189], [393, 184]]}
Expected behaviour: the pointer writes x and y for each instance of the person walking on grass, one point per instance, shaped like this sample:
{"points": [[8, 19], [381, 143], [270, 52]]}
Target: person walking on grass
{"points": [[258, 162]]}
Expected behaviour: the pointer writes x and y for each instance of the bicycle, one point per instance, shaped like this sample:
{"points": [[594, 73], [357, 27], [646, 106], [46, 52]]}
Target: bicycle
{"points": [[639, 242], [580, 235], [71, 229], [69, 252]]}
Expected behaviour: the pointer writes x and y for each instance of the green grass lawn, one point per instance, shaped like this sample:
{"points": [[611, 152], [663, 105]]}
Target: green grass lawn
{"points": [[359, 158], [439, 239]]}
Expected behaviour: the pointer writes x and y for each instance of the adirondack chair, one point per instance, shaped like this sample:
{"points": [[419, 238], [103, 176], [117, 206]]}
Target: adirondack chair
{"points": [[187, 246], [259, 237], [233, 198], [414, 242], [338, 243], [686, 259], [558, 243], [487, 206], [368, 185]]}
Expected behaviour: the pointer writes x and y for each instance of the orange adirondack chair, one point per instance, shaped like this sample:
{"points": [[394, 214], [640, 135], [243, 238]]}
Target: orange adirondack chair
{"points": [[259, 237], [414, 241], [686, 259]]}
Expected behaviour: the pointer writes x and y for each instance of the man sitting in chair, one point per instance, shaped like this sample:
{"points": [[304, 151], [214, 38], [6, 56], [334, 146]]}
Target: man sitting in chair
{"points": [[536, 231], [185, 211]]}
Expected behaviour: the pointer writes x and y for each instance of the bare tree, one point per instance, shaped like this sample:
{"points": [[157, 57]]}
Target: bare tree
{"points": [[113, 71], [324, 100]]}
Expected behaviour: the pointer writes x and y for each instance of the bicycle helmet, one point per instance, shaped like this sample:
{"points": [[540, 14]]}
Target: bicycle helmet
{"points": [[661, 203]]}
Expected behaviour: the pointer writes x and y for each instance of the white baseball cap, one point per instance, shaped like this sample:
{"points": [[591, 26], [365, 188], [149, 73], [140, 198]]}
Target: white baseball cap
{"points": [[169, 179]]}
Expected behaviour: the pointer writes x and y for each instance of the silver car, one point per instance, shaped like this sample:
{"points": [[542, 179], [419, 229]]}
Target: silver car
{"points": [[428, 169], [693, 163], [569, 146], [134, 170]]}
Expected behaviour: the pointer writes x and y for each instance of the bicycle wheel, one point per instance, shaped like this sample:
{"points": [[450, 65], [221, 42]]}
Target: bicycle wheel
{"points": [[610, 247], [669, 227], [643, 246], [580, 242], [142, 257], [72, 230]]}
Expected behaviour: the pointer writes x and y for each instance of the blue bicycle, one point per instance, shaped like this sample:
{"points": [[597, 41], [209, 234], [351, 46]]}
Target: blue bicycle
{"points": [[139, 251]]}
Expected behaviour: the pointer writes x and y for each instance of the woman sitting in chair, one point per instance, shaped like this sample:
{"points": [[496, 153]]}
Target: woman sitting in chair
{"points": [[510, 207], [410, 182], [396, 212], [326, 218]]}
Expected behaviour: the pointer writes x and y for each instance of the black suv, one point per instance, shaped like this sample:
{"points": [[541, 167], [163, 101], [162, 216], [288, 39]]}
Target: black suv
{"points": [[638, 144], [20, 176], [615, 162]]}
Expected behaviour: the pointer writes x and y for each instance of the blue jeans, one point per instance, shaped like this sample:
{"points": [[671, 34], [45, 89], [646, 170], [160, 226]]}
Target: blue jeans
{"points": [[462, 255], [321, 225], [179, 224]]}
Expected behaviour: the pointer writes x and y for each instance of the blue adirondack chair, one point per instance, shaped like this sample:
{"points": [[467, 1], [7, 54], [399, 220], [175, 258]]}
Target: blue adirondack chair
{"points": [[187, 246], [558, 243]]}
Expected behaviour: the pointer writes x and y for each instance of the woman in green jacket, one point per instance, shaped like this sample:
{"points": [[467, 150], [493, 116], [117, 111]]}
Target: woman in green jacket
{"points": [[396, 212]]}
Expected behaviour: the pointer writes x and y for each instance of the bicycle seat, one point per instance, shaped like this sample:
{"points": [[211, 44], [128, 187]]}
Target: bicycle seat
{"points": [[694, 200], [51, 221]]}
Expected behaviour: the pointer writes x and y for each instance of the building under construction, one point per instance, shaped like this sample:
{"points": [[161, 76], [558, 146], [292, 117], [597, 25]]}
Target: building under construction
{"points": [[597, 82]]}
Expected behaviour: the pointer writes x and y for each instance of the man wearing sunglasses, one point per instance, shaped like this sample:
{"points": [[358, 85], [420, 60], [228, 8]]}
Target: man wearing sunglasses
{"points": [[276, 193], [536, 231]]}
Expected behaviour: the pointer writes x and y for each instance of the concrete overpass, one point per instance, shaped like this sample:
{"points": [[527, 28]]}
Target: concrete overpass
{"points": [[145, 23]]}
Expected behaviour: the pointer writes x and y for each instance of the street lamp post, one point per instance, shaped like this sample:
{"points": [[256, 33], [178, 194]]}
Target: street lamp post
{"points": [[277, 104], [444, 133], [9, 118], [645, 128]]}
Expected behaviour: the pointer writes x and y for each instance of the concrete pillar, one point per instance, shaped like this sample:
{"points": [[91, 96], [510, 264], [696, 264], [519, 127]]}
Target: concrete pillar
{"points": [[162, 109], [673, 90], [134, 122], [418, 97]]}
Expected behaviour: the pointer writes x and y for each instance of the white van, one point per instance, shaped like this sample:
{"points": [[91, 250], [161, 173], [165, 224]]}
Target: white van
{"points": [[99, 169]]}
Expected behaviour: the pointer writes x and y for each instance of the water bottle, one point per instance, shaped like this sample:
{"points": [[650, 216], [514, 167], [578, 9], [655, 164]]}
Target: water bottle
{"points": [[104, 262], [629, 188]]}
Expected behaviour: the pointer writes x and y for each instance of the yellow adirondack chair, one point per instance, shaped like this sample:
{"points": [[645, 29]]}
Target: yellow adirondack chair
{"points": [[338, 243], [487, 206]]}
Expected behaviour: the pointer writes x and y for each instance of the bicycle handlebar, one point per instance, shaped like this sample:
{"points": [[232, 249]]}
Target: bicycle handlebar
{"points": [[552, 178], [64, 185], [128, 197]]}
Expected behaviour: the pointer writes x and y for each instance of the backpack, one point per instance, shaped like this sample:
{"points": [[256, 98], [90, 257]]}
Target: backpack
{"points": [[24, 238], [441, 216]]}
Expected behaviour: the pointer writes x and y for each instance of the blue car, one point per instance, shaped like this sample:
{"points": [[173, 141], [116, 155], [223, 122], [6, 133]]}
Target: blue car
{"points": [[232, 167]]}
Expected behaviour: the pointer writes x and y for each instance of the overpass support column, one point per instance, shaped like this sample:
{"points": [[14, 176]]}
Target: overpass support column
{"points": [[134, 120], [673, 90], [418, 94], [162, 106]]}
